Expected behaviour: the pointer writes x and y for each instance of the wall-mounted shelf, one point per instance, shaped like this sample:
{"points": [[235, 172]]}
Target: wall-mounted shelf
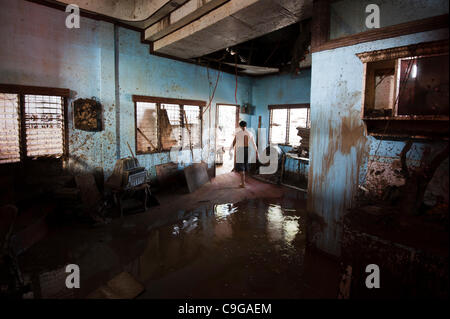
{"points": [[405, 91]]}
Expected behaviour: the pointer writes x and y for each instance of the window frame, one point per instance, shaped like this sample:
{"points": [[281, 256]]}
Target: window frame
{"points": [[397, 126], [21, 91], [287, 107], [164, 100]]}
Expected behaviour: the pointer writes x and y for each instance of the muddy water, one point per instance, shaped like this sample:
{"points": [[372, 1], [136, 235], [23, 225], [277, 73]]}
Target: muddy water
{"points": [[250, 249]]}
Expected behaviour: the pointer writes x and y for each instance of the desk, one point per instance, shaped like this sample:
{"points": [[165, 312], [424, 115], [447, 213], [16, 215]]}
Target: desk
{"points": [[301, 173]]}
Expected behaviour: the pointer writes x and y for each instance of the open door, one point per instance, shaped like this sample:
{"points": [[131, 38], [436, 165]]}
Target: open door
{"points": [[227, 118]]}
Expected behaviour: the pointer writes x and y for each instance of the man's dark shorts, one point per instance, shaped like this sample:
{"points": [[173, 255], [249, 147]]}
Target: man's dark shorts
{"points": [[241, 167]]}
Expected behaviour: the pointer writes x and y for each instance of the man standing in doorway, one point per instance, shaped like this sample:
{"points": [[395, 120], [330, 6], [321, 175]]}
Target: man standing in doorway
{"points": [[242, 137]]}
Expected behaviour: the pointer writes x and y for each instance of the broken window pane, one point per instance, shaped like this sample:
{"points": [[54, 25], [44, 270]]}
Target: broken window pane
{"points": [[297, 118], [170, 126], [192, 128], [147, 127], [44, 125], [384, 90], [9, 128], [424, 86], [278, 126]]}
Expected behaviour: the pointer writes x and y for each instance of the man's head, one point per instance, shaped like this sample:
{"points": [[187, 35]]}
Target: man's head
{"points": [[243, 124]]}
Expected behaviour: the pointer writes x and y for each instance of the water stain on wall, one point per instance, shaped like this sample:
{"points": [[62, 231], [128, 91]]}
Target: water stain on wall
{"points": [[346, 147]]}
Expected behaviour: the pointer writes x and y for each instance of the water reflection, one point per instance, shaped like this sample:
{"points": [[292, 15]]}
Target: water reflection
{"points": [[222, 211], [246, 249], [281, 227], [186, 225]]}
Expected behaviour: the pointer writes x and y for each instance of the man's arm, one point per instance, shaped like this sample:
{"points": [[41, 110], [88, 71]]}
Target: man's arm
{"points": [[232, 146], [234, 143]]}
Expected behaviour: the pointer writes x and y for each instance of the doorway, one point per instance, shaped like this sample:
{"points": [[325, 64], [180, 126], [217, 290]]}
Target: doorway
{"points": [[227, 117]]}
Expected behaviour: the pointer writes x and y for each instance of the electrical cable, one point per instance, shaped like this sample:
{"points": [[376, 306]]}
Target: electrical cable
{"points": [[212, 96], [235, 70]]}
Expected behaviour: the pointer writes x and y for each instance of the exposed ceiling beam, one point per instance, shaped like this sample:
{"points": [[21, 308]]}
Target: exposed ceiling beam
{"points": [[95, 11], [178, 18], [234, 22], [126, 10]]}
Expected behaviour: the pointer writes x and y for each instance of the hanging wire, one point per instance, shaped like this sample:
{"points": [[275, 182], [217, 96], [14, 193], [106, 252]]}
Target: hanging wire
{"points": [[236, 76], [212, 96]]}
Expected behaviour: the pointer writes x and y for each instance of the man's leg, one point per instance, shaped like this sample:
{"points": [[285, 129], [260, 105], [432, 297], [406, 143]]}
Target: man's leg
{"points": [[242, 178]]}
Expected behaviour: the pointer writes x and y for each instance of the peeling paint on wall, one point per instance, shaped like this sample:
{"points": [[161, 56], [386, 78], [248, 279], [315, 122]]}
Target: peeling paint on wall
{"points": [[339, 146], [83, 60]]}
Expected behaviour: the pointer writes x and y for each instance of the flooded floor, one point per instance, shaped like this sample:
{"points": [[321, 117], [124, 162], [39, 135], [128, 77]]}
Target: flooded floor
{"points": [[255, 248], [250, 249]]}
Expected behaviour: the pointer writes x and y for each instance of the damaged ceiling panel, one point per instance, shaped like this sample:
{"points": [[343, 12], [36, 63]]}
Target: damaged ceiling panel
{"points": [[254, 70], [126, 10], [232, 23], [270, 35], [178, 18], [135, 13], [286, 50]]}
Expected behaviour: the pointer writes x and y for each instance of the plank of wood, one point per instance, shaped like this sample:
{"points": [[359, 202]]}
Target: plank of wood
{"points": [[196, 176], [180, 17]]}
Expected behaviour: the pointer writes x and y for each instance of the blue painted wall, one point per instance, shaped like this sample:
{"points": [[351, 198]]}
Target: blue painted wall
{"points": [[37, 49], [340, 147], [144, 74], [279, 89]]}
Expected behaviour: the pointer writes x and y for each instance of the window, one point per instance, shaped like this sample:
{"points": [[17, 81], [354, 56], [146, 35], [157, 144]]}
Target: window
{"points": [[163, 123], [284, 121], [406, 90], [44, 123], [9, 126], [31, 125]]}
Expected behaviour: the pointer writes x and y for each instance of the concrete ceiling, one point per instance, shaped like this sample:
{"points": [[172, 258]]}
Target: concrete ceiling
{"points": [[234, 22], [126, 10], [193, 28]]}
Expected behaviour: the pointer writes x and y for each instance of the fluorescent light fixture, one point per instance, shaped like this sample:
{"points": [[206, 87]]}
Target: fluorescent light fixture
{"points": [[414, 71]]}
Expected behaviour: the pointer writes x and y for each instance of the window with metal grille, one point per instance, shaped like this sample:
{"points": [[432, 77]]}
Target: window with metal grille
{"points": [[147, 127], [9, 128], [163, 123], [192, 132], [44, 125], [284, 121], [31, 125], [170, 126]]}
